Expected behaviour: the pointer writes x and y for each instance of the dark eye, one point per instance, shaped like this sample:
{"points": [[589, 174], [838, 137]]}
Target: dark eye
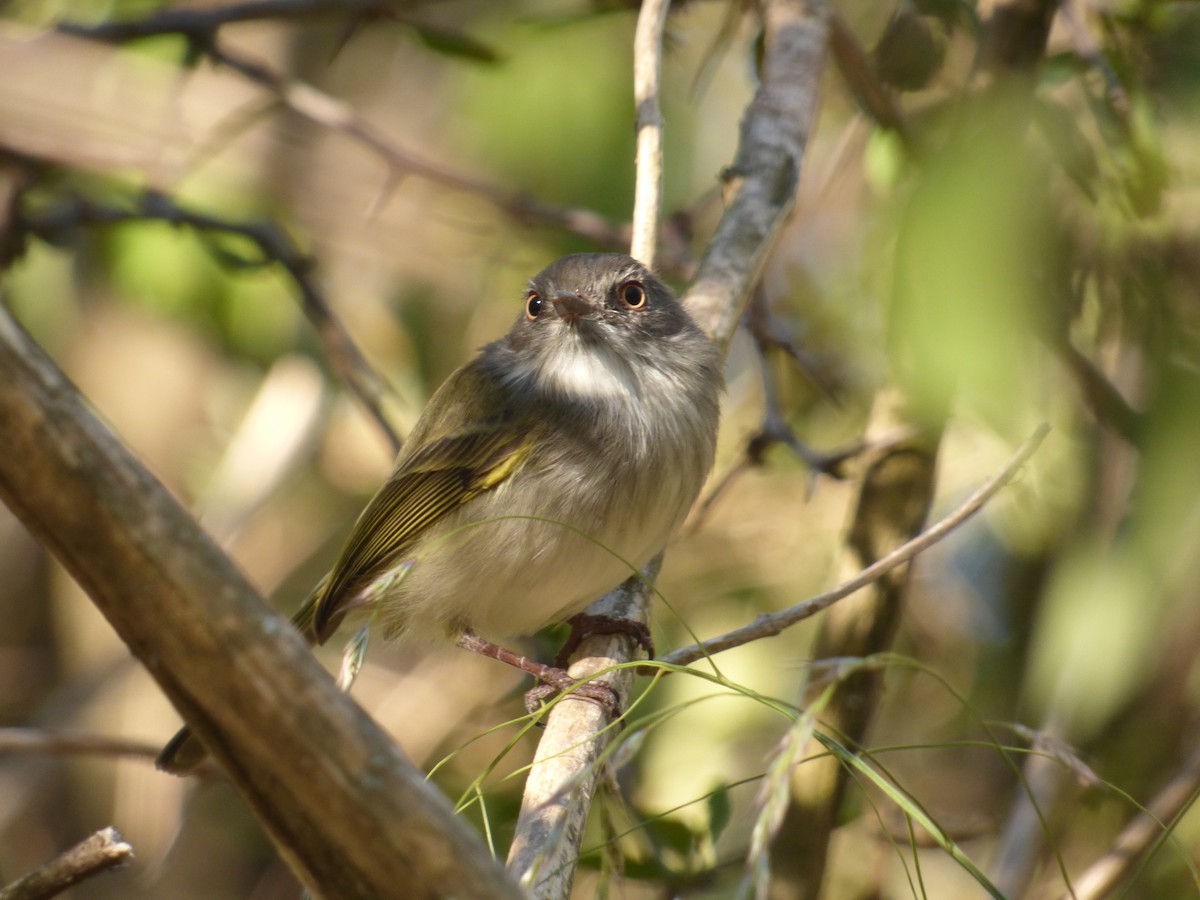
{"points": [[533, 305], [633, 295]]}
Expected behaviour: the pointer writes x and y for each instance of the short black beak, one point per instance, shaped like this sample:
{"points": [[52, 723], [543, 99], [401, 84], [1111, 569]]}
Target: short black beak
{"points": [[571, 305]]}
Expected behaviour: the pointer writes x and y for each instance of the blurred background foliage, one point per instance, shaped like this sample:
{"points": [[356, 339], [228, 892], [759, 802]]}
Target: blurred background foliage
{"points": [[1005, 251]]}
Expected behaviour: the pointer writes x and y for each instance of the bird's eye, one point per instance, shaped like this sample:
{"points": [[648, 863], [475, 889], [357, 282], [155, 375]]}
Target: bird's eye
{"points": [[633, 295], [533, 305]]}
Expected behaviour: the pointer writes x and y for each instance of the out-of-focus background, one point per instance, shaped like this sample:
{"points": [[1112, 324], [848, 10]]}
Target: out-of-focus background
{"points": [[1004, 262]]}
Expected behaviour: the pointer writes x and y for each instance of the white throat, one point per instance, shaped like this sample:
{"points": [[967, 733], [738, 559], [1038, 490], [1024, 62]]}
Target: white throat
{"points": [[589, 371]]}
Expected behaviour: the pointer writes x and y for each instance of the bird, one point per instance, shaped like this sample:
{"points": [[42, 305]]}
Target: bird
{"points": [[541, 474]]}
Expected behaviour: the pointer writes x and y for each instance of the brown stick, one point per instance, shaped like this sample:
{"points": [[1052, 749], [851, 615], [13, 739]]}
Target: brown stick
{"points": [[350, 814], [102, 851]]}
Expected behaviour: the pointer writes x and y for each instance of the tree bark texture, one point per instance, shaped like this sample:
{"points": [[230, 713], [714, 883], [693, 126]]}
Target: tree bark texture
{"points": [[351, 815]]}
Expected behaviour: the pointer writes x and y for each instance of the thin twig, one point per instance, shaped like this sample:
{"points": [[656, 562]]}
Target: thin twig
{"points": [[771, 624], [335, 114], [103, 850], [770, 333], [1142, 834], [32, 742], [647, 78], [275, 245]]}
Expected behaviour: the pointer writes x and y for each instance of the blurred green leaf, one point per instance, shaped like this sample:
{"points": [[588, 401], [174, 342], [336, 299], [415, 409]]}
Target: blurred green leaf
{"points": [[1094, 637], [673, 834], [971, 271], [1072, 150], [450, 42], [1146, 169], [720, 810]]}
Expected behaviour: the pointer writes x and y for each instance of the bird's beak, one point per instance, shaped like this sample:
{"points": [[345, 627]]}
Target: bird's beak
{"points": [[570, 306]]}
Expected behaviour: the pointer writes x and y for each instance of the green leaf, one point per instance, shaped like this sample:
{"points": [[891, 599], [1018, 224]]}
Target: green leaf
{"points": [[719, 811], [673, 834], [454, 43]]}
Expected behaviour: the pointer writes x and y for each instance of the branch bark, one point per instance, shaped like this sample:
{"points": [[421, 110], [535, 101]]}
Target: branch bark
{"points": [[346, 809], [102, 851]]}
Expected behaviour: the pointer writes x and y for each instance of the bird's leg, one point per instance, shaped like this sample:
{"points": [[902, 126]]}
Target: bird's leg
{"points": [[554, 678], [585, 625]]}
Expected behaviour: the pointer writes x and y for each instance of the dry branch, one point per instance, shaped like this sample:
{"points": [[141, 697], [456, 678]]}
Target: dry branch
{"points": [[32, 742], [1143, 833], [200, 28], [346, 809], [102, 851]]}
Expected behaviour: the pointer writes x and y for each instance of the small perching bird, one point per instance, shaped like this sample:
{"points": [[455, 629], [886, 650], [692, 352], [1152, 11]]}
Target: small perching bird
{"points": [[541, 474]]}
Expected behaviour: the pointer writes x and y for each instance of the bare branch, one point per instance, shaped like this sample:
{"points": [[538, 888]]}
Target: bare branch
{"points": [[647, 77], [350, 814], [558, 791], [200, 28], [761, 182], [31, 742], [771, 624], [102, 851], [1142, 833], [559, 788]]}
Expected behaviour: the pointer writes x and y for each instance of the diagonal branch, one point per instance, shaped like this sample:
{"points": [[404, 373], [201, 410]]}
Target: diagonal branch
{"points": [[351, 815], [102, 851], [1142, 834], [200, 29], [761, 182], [771, 624]]}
